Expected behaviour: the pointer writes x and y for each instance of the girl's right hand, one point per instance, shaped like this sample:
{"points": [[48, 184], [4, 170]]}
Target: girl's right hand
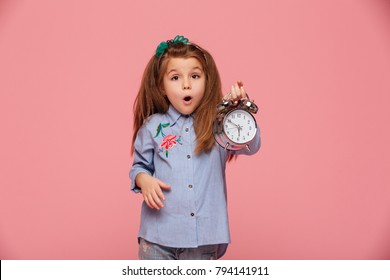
{"points": [[151, 188], [236, 93]]}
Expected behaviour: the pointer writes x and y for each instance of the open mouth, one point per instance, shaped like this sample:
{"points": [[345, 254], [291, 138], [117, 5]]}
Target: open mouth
{"points": [[187, 98]]}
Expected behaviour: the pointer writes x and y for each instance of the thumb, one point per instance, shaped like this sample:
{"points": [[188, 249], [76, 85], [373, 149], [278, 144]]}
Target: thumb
{"points": [[163, 185]]}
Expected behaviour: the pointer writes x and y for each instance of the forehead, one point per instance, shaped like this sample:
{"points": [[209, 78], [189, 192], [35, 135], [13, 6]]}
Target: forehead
{"points": [[183, 64]]}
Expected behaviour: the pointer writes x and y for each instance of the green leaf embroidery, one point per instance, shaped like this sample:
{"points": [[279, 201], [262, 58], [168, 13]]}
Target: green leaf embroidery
{"points": [[159, 129]]}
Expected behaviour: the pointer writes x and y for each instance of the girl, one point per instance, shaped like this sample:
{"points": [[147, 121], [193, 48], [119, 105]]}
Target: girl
{"points": [[178, 167]]}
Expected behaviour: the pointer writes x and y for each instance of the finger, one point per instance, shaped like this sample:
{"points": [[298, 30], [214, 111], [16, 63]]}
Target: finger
{"points": [[243, 92], [163, 185], [157, 201], [152, 202], [159, 191], [160, 194], [147, 202], [234, 94], [238, 91]]}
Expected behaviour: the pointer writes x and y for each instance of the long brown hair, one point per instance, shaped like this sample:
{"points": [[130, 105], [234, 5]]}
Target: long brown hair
{"points": [[151, 100]]}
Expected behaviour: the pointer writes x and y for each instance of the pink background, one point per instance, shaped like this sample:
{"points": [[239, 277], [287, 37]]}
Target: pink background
{"points": [[319, 70]]}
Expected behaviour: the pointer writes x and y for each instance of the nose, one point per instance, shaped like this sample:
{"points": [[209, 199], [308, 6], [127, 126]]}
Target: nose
{"points": [[186, 84]]}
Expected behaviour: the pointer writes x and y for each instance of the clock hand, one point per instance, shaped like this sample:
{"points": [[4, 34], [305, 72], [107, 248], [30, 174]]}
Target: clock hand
{"points": [[238, 128], [235, 124]]}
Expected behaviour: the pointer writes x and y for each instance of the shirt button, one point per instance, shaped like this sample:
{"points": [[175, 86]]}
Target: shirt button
{"points": [[188, 156], [190, 186], [192, 214], [187, 129]]}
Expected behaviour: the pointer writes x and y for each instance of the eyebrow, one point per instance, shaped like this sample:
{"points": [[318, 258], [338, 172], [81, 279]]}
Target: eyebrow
{"points": [[195, 68]]}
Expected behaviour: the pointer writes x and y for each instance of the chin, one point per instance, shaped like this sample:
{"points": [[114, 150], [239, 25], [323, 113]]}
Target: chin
{"points": [[186, 111]]}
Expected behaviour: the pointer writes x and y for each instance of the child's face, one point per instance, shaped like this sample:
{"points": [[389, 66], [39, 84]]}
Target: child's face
{"points": [[184, 84]]}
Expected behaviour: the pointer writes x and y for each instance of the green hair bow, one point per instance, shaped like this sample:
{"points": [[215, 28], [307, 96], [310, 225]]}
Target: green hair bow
{"points": [[164, 45]]}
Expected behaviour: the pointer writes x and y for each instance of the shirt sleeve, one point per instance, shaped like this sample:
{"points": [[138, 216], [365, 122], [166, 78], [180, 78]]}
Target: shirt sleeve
{"points": [[254, 146], [143, 156]]}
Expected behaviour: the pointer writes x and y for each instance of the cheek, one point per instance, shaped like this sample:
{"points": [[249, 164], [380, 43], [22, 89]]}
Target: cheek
{"points": [[169, 90], [204, 86], [202, 91], [201, 88]]}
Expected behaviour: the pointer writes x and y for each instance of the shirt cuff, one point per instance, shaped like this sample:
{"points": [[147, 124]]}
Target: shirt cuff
{"points": [[133, 175]]}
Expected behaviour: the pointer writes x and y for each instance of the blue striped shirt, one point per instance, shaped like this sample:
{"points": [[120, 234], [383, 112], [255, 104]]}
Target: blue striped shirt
{"points": [[195, 209]]}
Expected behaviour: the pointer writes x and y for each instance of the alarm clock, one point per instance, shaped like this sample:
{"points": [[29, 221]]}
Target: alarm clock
{"points": [[235, 126]]}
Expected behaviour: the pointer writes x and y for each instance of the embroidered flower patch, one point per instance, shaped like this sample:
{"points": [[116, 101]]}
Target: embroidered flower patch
{"points": [[169, 141]]}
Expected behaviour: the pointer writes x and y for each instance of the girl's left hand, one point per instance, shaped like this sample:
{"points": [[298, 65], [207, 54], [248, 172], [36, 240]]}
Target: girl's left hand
{"points": [[236, 93]]}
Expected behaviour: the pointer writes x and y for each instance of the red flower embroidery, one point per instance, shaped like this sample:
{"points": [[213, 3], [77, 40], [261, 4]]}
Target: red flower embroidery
{"points": [[168, 142]]}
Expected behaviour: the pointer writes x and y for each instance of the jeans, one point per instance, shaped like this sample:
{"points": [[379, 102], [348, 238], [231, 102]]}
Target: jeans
{"points": [[151, 251]]}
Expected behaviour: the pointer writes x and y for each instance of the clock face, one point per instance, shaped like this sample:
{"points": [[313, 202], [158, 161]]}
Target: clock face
{"points": [[239, 126]]}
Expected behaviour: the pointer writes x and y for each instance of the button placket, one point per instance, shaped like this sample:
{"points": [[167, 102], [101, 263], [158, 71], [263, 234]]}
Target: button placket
{"points": [[188, 145]]}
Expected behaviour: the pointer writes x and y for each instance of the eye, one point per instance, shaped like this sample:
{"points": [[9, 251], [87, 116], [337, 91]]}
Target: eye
{"points": [[174, 78], [195, 76]]}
